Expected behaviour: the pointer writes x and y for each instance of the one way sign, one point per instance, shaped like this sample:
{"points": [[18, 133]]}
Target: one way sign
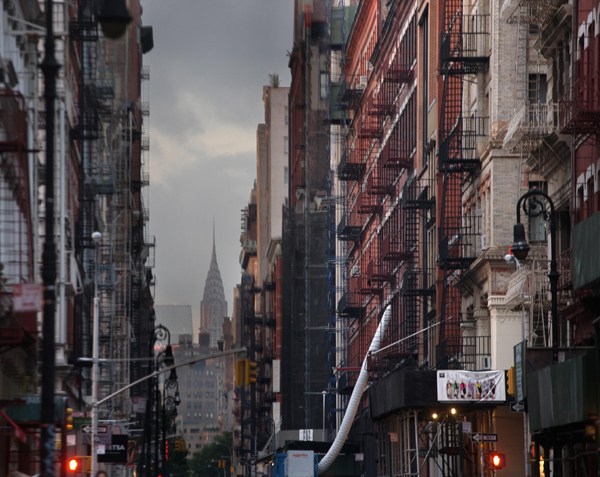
{"points": [[485, 437], [101, 429], [517, 406]]}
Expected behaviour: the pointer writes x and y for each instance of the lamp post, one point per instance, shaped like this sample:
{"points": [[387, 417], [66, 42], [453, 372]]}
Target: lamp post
{"points": [[159, 333], [165, 357], [50, 67], [172, 402], [97, 238], [534, 207]]}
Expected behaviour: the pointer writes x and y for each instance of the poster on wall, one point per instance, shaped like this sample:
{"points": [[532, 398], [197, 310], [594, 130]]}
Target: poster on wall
{"points": [[471, 386]]}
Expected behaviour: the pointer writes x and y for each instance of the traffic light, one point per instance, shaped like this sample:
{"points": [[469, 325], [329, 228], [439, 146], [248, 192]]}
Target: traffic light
{"points": [[510, 381], [167, 451], [79, 465], [497, 460], [250, 372], [180, 445], [239, 371], [68, 419]]}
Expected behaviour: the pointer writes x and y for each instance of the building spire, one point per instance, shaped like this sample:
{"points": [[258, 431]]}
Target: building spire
{"points": [[213, 258]]}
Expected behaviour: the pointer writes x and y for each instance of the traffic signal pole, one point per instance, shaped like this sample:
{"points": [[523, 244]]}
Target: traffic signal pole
{"points": [[166, 370]]}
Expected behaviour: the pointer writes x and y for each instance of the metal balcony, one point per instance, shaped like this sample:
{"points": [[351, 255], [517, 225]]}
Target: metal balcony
{"points": [[348, 170], [459, 242], [458, 151], [465, 47], [349, 228], [368, 204], [530, 126], [350, 304], [392, 248], [579, 109], [378, 274], [377, 184]]}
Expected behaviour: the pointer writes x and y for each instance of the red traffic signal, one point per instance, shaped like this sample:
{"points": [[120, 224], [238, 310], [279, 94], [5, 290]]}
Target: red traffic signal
{"points": [[498, 460], [79, 465]]}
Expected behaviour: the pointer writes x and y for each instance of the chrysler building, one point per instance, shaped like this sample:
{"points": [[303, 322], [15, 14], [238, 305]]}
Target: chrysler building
{"points": [[213, 307]]}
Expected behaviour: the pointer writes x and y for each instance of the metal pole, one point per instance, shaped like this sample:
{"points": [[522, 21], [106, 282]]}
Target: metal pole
{"points": [[324, 393], [50, 69], [553, 275], [164, 427], [96, 237]]}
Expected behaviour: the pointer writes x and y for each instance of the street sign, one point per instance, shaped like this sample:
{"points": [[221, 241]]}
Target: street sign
{"points": [[27, 297], [428, 452], [485, 437], [77, 414], [101, 429], [79, 422], [517, 407]]}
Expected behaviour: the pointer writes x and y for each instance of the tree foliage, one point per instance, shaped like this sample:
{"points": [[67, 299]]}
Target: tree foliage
{"points": [[205, 462], [274, 80]]}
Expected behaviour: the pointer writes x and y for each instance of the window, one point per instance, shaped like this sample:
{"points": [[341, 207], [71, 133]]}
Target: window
{"points": [[537, 224], [286, 145], [189, 374], [286, 113], [286, 175], [189, 405], [189, 384], [324, 85]]}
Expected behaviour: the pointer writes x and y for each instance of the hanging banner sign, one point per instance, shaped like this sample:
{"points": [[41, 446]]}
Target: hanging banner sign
{"points": [[471, 386]]}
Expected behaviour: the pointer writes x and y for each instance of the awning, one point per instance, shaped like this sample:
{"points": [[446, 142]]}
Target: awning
{"points": [[19, 433]]}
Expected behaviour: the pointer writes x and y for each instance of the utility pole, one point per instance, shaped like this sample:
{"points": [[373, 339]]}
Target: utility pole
{"points": [[50, 69]]}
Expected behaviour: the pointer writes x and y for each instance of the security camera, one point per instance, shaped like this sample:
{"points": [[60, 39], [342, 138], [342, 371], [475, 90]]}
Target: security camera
{"points": [[509, 258]]}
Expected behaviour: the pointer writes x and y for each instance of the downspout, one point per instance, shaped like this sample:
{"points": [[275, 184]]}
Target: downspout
{"points": [[361, 382]]}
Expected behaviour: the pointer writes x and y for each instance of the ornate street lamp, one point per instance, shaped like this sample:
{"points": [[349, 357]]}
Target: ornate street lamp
{"points": [[534, 207]]}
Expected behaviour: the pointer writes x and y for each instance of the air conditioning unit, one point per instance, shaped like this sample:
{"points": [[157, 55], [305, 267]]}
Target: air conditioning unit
{"points": [[362, 84], [355, 271], [486, 363]]}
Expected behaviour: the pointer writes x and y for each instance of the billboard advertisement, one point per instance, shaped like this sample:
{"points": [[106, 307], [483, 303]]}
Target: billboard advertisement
{"points": [[471, 386]]}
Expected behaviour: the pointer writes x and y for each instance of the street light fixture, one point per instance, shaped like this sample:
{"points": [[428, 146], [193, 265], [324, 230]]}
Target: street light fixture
{"points": [[534, 207]]}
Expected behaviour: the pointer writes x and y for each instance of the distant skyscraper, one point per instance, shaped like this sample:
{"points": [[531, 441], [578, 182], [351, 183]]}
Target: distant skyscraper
{"points": [[177, 319], [213, 307]]}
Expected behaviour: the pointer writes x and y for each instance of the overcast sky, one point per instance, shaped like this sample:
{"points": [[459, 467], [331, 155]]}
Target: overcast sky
{"points": [[210, 61]]}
